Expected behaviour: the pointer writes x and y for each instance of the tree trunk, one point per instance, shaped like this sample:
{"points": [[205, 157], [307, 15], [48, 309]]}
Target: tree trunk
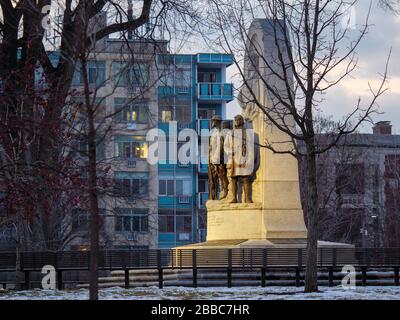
{"points": [[94, 213], [311, 201], [92, 188], [19, 275]]}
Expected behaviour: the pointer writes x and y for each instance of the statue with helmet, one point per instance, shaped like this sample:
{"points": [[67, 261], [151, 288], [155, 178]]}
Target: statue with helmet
{"points": [[217, 173]]}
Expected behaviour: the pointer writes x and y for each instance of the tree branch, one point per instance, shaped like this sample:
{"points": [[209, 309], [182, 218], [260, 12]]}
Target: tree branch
{"points": [[123, 26]]}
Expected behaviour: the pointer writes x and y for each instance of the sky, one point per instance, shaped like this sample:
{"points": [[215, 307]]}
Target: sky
{"points": [[384, 34]]}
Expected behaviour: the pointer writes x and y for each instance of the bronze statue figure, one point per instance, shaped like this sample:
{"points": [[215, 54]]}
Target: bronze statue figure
{"points": [[217, 176], [241, 163]]}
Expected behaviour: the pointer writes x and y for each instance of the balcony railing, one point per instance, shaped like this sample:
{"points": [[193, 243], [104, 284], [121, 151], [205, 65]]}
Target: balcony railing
{"points": [[203, 197], [184, 199], [203, 167], [214, 91], [216, 58], [203, 124], [171, 91]]}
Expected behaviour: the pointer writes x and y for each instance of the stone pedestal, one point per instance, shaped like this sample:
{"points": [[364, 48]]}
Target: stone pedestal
{"points": [[252, 221]]}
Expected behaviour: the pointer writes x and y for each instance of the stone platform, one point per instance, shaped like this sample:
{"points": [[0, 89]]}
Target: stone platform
{"points": [[248, 252], [253, 221], [266, 243]]}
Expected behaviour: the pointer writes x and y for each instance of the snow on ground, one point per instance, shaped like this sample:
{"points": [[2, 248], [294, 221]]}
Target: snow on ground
{"points": [[183, 293]]}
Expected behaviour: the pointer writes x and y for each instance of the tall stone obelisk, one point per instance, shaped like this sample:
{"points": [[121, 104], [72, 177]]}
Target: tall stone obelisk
{"points": [[276, 212], [277, 183]]}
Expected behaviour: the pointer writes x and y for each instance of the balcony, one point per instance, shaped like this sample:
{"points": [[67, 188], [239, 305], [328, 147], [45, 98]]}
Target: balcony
{"points": [[215, 59], [184, 165], [214, 91], [182, 201], [140, 164], [203, 124], [203, 167], [178, 92], [202, 199]]}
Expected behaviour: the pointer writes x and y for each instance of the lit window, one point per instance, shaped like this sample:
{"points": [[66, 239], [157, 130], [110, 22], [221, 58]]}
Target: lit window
{"points": [[166, 116], [131, 149]]}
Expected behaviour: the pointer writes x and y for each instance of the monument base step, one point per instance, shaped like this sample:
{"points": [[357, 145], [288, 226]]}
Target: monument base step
{"points": [[260, 243]]}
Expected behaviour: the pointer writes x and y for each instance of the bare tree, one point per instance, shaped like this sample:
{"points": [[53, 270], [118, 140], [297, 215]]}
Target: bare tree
{"points": [[312, 50], [391, 5], [24, 49]]}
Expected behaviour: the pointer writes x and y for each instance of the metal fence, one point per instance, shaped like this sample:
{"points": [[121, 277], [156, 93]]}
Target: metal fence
{"points": [[227, 259]]}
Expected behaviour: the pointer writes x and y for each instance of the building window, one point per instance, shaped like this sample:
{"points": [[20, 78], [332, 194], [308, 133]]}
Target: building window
{"points": [[183, 78], [166, 114], [350, 179], [96, 73], [183, 114], [131, 112], [132, 220], [78, 107], [166, 187], [129, 184], [206, 113], [203, 76], [392, 166], [179, 187], [203, 185], [184, 187], [84, 150], [135, 76], [166, 220], [183, 221], [81, 219], [131, 147]]}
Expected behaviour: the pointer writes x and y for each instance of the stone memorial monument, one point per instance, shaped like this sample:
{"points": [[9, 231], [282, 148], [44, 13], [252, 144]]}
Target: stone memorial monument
{"points": [[262, 207]]}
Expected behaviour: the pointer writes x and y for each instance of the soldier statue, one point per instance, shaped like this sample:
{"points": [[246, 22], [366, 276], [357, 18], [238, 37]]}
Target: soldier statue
{"points": [[242, 162], [217, 178]]}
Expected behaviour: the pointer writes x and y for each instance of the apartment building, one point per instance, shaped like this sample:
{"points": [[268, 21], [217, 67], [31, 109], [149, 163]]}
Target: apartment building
{"points": [[192, 89], [141, 86]]}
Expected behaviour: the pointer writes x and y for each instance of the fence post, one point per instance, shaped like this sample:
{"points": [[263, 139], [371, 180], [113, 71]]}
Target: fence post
{"points": [[330, 276], [364, 276], [55, 260], [229, 268], [160, 270], [297, 277], [320, 256], [180, 259], [126, 273], [334, 258], [396, 276], [264, 268], [27, 280], [364, 256], [59, 280], [194, 267], [300, 258]]}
